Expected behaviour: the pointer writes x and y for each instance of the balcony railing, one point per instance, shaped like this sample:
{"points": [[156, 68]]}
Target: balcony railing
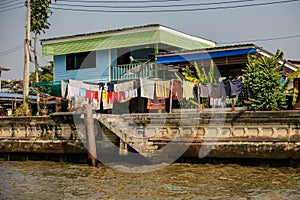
{"points": [[132, 71]]}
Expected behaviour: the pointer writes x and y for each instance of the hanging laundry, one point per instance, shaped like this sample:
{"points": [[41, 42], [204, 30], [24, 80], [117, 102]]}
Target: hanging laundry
{"points": [[105, 101], [91, 95], [205, 89], [177, 90], [101, 86], [95, 104], [216, 90], [122, 97], [72, 91], [115, 97], [236, 87], [188, 90], [107, 106], [63, 88], [78, 84], [110, 87], [162, 89], [227, 89], [124, 86], [147, 88], [134, 93], [110, 97], [79, 102], [82, 92], [217, 102], [156, 104]]}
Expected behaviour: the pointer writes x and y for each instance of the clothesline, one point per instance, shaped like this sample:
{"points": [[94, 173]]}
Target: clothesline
{"points": [[81, 93]]}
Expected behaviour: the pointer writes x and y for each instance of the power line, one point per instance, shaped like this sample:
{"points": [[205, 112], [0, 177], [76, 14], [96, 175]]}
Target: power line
{"points": [[16, 48], [8, 9], [145, 1], [156, 6], [10, 2], [262, 39], [177, 10]]}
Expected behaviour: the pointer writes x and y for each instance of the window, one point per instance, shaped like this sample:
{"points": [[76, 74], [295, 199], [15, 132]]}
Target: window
{"points": [[81, 60]]}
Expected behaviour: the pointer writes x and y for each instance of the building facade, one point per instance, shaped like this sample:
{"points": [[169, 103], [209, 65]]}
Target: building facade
{"points": [[109, 55]]}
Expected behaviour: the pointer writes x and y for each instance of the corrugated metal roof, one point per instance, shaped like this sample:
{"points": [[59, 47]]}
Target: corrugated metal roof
{"points": [[101, 32], [203, 55], [127, 37], [17, 96], [212, 49], [107, 32], [213, 52]]}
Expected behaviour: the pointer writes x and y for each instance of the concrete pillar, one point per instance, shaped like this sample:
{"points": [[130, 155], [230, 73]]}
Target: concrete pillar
{"points": [[90, 135]]}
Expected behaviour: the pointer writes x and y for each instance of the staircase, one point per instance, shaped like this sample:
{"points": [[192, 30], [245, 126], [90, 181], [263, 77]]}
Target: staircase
{"points": [[152, 135], [121, 127]]}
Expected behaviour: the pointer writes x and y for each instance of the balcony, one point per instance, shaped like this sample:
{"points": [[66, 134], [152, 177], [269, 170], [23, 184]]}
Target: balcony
{"points": [[132, 71]]}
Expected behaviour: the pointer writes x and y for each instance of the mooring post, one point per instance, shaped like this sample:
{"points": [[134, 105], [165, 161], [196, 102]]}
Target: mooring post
{"points": [[232, 105], [90, 136]]}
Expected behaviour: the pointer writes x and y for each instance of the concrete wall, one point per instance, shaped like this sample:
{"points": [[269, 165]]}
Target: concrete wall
{"points": [[263, 135], [53, 135], [271, 135]]}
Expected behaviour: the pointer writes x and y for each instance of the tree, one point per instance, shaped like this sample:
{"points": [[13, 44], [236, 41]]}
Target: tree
{"points": [[263, 79], [40, 14], [45, 74], [198, 77]]}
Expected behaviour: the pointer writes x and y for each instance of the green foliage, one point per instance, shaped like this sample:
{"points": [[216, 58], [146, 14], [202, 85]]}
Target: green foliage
{"points": [[40, 13], [24, 109], [45, 75], [262, 78], [294, 90], [200, 77]]}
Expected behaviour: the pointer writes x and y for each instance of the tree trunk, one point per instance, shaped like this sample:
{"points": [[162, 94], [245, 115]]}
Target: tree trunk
{"points": [[36, 64]]}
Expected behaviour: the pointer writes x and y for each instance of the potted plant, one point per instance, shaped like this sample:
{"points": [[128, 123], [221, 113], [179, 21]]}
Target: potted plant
{"points": [[44, 110]]}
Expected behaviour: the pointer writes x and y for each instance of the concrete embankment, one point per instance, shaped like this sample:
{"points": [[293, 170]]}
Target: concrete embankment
{"points": [[189, 134], [38, 138], [218, 135]]}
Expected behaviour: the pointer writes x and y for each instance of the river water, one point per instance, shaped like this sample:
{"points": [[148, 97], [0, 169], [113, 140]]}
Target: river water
{"points": [[59, 180]]}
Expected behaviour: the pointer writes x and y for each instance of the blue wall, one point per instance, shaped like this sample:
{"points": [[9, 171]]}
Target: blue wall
{"points": [[98, 74]]}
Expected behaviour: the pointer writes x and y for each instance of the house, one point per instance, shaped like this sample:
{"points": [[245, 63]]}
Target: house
{"points": [[230, 60], [110, 55], [2, 69]]}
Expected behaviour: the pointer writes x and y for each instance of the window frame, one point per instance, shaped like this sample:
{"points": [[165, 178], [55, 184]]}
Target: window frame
{"points": [[82, 60]]}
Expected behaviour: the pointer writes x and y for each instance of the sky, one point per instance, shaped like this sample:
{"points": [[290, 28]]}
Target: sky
{"points": [[270, 25]]}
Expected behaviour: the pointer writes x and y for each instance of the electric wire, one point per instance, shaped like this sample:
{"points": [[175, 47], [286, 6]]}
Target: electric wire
{"points": [[4, 7], [8, 9], [12, 50], [262, 39], [174, 10], [156, 6], [137, 2], [3, 4]]}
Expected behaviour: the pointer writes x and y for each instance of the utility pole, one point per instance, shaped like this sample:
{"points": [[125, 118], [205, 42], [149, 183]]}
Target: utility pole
{"points": [[27, 56]]}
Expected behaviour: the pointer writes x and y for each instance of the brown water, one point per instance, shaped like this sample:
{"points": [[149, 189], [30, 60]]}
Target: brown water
{"points": [[53, 180]]}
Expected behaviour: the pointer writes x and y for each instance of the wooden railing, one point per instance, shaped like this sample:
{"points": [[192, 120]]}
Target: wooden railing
{"points": [[132, 71]]}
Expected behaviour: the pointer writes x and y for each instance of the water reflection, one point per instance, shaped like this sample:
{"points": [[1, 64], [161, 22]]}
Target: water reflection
{"points": [[51, 180]]}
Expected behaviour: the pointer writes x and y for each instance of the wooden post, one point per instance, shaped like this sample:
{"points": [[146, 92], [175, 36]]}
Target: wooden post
{"points": [[198, 97], [171, 96], [232, 105], [90, 136]]}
